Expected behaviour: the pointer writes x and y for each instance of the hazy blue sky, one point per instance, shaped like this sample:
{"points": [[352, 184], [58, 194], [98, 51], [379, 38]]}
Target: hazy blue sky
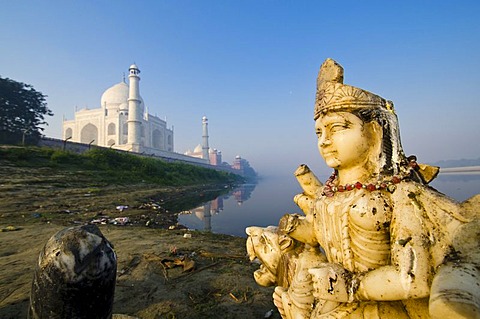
{"points": [[251, 67]]}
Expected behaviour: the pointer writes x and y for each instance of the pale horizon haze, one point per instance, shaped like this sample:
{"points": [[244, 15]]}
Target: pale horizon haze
{"points": [[251, 68]]}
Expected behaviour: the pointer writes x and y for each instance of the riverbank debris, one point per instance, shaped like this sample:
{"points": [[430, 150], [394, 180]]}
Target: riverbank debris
{"points": [[10, 228]]}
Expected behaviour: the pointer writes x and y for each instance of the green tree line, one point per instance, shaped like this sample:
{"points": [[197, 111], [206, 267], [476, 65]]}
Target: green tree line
{"points": [[110, 166], [22, 112]]}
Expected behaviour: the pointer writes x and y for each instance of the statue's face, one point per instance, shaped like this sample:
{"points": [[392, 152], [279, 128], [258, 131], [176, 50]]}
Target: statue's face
{"points": [[344, 141]]}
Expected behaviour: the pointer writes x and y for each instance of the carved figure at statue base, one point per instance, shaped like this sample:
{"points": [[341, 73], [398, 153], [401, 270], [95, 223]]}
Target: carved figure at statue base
{"points": [[375, 241]]}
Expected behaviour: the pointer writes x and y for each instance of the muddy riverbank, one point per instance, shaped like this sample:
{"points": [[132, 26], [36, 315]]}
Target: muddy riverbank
{"points": [[36, 203]]}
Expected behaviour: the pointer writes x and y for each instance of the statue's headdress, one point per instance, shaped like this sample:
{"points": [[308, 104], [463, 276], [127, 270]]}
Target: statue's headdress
{"points": [[332, 94]]}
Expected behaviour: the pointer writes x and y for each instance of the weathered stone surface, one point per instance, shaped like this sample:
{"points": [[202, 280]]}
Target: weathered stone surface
{"points": [[75, 276]]}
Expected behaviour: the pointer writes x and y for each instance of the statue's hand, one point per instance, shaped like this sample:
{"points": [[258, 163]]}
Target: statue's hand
{"points": [[305, 202], [330, 282], [277, 300], [288, 223], [300, 228]]}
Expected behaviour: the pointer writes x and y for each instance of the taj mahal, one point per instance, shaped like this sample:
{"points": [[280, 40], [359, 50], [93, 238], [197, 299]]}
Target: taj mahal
{"points": [[121, 122]]}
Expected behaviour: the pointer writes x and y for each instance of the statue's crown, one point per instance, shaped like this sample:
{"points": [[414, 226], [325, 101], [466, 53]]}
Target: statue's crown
{"points": [[332, 94]]}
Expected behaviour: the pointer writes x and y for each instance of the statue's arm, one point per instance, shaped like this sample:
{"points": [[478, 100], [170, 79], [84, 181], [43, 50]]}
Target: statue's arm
{"points": [[299, 228], [409, 274], [311, 186]]}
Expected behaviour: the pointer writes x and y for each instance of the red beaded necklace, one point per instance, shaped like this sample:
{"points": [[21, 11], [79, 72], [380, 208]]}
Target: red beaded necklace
{"points": [[331, 188]]}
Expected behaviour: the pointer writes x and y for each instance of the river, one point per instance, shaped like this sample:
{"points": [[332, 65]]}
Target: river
{"points": [[263, 204]]}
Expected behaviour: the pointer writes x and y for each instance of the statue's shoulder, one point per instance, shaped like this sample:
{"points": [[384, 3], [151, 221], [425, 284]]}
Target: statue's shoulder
{"points": [[423, 197], [437, 214]]}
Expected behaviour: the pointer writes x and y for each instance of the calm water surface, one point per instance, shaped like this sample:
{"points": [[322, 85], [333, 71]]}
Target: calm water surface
{"points": [[264, 203]]}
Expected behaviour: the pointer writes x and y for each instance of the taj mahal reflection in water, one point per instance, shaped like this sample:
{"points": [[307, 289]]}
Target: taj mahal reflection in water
{"points": [[204, 212]]}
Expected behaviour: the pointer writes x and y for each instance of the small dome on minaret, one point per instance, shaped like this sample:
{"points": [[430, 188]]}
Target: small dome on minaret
{"points": [[134, 69]]}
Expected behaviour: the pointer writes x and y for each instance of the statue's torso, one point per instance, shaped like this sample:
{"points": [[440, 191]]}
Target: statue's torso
{"points": [[353, 228]]}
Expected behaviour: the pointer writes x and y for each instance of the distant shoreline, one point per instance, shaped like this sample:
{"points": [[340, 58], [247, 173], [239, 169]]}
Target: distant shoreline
{"points": [[460, 170]]}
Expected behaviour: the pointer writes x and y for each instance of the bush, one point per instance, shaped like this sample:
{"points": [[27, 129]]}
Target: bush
{"points": [[15, 154], [62, 157]]}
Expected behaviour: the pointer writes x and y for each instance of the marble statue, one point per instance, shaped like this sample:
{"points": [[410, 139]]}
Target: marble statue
{"points": [[375, 241]]}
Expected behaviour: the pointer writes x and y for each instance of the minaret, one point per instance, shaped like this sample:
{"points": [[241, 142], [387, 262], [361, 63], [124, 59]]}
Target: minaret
{"points": [[207, 217], [134, 111], [205, 139]]}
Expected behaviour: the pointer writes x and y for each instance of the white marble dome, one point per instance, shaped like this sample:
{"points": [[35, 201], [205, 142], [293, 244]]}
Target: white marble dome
{"points": [[198, 149], [117, 97]]}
